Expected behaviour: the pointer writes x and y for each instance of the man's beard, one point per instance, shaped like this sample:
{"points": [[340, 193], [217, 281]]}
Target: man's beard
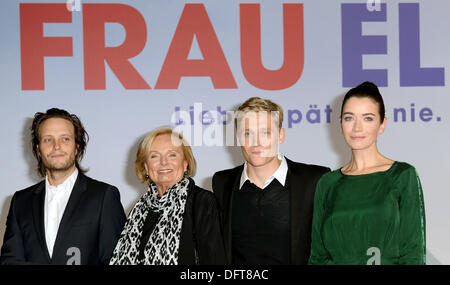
{"points": [[59, 167]]}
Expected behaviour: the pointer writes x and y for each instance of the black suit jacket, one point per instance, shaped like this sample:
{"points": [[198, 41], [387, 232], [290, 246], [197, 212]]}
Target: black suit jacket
{"points": [[301, 181], [89, 229], [201, 231]]}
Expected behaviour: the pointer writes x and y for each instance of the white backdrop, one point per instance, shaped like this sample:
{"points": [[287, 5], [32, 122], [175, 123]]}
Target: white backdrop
{"points": [[401, 45]]}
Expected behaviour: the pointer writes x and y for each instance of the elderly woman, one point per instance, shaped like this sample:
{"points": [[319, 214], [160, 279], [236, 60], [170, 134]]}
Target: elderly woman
{"points": [[175, 221]]}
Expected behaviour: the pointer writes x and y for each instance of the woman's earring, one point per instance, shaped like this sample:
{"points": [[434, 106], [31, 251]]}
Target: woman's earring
{"points": [[146, 176]]}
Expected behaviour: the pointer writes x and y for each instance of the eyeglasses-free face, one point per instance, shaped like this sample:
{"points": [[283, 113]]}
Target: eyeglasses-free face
{"points": [[165, 163], [57, 147], [360, 123], [259, 137]]}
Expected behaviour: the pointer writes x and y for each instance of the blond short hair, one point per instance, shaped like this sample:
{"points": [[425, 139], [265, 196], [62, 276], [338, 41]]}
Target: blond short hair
{"points": [[144, 151], [257, 104]]}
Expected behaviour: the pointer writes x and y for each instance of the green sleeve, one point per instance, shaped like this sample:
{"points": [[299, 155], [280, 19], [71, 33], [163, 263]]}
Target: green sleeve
{"points": [[412, 219], [319, 254]]}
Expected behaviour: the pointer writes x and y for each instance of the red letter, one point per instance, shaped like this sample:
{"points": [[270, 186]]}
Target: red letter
{"points": [[95, 53], [195, 22], [252, 66], [34, 46]]}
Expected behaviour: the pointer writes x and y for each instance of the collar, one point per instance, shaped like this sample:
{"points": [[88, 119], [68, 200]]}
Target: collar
{"points": [[280, 174], [67, 184]]}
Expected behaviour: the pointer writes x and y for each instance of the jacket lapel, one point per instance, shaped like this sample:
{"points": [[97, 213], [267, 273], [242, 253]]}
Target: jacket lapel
{"points": [[297, 192], [231, 185], [38, 217], [68, 217]]}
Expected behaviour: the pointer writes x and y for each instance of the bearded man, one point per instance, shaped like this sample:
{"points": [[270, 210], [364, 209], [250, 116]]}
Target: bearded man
{"points": [[68, 217]]}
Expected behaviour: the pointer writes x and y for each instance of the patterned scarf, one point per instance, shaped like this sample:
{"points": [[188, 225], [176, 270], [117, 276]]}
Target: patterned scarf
{"points": [[162, 246]]}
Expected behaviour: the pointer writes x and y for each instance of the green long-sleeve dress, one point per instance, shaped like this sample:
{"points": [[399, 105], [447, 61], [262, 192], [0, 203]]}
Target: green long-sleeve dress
{"points": [[376, 218]]}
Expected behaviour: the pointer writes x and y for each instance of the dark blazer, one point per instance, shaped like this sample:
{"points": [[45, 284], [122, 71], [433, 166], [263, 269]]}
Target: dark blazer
{"points": [[91, 223], [201, 234], [301, 181]]}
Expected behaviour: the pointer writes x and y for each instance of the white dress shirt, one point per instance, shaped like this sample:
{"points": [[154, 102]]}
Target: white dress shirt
{"points": [[280, 174], [56, 198]]}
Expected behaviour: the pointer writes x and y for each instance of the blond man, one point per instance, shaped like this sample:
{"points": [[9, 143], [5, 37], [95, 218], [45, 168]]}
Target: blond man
{"points": [[266, 203]]}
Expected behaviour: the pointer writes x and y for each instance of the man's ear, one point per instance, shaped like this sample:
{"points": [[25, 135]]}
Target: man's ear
{"points": [[281, 136], [38, 150]]}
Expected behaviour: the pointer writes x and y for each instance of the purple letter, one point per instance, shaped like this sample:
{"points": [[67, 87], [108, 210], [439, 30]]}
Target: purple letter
{"points": [[411, 74], [354, 45]]}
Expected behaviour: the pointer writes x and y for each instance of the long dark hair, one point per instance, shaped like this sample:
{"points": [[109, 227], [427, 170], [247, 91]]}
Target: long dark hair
{"points": [[366, 90], [81, 136]]}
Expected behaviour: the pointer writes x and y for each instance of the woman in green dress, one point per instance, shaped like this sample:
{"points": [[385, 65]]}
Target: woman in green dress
{"points": [[370, 211]]}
